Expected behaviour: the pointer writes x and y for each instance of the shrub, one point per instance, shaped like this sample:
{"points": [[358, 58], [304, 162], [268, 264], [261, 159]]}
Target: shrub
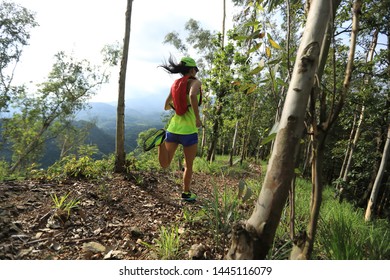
{"points": [[3, 170], [81, 167]]}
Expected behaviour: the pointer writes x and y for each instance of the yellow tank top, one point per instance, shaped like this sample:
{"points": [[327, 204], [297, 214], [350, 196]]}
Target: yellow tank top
{"points": [[185, 124]]}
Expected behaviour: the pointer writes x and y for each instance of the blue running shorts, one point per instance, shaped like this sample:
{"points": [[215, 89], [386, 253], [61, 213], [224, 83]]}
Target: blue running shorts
{"points": [[185, 140]]}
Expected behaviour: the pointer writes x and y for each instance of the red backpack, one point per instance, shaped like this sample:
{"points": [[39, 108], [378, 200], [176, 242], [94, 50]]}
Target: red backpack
{"points": [[179, 95]]}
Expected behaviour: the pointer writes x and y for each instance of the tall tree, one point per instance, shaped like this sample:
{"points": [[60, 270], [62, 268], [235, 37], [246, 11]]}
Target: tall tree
{"points": [[69, 85], [120, 122], [219, 82], [223, 22], [385, 155], [217, 116], [378, 180], [320, 131], [15, 25], [253, 239]]}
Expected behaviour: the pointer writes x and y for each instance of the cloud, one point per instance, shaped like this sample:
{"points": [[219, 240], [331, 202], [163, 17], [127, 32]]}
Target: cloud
{"points": [[84, 27]]}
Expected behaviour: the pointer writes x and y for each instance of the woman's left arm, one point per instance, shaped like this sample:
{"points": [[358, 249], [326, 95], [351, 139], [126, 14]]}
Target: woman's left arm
{"points": [[194, 91]]}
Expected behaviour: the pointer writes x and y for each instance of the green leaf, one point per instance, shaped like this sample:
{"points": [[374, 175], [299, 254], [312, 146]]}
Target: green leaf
{"points": [[239, 37], [268, 139], [274, 61], [281, 82], [251, 23], [264, 81], [272, 134], [297, 171], [256, 70]]}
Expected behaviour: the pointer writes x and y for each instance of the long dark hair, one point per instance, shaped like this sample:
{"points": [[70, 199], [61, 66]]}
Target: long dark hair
{"points": [[173, 67]]}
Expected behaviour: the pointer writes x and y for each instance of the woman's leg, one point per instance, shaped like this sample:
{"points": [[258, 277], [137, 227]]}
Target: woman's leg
{"points": [[189, 155], [166, 151]]}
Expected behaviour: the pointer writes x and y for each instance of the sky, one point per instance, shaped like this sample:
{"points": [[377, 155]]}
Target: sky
{"points": [[83, 27]]}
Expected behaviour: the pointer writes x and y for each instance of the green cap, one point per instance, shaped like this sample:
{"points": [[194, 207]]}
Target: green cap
{"points": [[188, 61]]}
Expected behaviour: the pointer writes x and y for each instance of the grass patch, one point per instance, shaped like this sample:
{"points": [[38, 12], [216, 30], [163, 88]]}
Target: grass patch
{"points": [[220, 166], [168, 244], [344, 235]]}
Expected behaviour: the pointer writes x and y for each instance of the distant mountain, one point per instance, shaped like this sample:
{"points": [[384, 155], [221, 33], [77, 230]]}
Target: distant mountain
{"points": [[136, 121], [103, 132]]}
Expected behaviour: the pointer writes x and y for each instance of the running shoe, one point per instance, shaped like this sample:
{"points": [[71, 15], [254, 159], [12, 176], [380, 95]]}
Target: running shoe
{"points": [[154, 140], [188, 196]]}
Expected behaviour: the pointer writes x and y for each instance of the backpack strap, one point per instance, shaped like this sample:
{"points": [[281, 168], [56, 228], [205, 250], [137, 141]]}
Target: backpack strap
{"points": [[200, 92]]}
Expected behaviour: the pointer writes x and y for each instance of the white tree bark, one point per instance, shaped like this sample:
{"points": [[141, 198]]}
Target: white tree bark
{"points": [[378, 180], [254, 239], [353, 145]]}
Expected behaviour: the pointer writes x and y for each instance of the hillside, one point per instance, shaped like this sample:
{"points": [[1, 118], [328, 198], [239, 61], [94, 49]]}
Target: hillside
{"points": [[140, 216], [115, 219]]}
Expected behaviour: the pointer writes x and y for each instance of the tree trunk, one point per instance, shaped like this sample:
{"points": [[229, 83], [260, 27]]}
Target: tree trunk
{"points": [[288, 39], [233, 150], [214, 134], [369, 58], [375, 168], [120, 122], [223, 22], [385, 156], [351, 136], [378, 180], [292, 209], [253, 239], [307, 158], [203, 144], [319, 134], [353, 145], [218, 119], [247, 134]]}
